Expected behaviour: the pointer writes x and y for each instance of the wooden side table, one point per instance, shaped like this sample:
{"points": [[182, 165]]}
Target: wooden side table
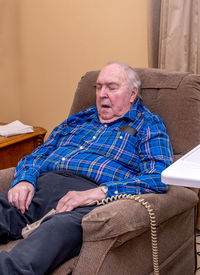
{"points": [[13, 148]]}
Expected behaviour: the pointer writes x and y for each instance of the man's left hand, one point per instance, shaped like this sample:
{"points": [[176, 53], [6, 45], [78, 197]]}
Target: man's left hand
{"points": [[74, 199]]}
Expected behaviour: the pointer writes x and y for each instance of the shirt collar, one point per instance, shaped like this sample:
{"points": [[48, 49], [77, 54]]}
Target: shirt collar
{"points": [[133, 111], [92, 114]]}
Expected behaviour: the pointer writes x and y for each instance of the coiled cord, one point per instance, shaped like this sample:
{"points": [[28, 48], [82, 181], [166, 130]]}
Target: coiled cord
{"points": [[154, 243]]}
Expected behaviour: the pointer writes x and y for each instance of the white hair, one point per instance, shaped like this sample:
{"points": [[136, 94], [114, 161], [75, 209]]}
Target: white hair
{"points": [[133, 78]]}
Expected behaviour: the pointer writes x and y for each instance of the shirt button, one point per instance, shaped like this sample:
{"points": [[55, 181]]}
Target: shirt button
{"points": [[116, 192], [94, 137], [121, 137], [63, 159], [81, 147], [105, 125]]}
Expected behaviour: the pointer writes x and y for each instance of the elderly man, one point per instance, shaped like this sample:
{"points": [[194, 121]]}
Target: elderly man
{"points": [[115, 147]]}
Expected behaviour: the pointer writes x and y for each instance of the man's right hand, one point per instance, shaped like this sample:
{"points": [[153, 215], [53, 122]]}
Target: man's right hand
{"points": [[21, 195]]}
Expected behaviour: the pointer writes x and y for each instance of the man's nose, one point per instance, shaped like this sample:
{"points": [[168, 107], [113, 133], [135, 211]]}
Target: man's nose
{"points": [[103, 91]]}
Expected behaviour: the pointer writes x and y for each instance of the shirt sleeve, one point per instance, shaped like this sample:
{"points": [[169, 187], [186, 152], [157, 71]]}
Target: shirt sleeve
{"points": [[156, 154], [28, 169]]}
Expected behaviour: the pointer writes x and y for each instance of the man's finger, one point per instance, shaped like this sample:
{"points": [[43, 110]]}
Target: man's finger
{"points": [[64, 204], [29, 199], [64, 208], [60, 206], [15, 196], [21, 201]]}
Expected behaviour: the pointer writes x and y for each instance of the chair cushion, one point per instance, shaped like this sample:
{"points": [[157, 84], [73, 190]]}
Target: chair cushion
{"points": [[6, 176]]}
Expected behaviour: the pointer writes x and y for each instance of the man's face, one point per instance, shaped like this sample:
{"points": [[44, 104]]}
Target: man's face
{"points": [[113, 97]]}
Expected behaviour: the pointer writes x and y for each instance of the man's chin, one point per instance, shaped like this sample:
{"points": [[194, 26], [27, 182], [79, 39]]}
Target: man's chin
{"points": [[106, 118]]}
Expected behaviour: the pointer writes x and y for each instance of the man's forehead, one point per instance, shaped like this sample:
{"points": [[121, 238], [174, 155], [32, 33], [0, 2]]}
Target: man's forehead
{"points": [[112, 74]]}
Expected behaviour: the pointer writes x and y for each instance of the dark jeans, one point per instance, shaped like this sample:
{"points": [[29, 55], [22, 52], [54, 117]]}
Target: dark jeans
{"points": [[57, 239]]}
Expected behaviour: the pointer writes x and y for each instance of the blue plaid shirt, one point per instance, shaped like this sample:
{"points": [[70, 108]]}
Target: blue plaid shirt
{"points": [[126, 163]]}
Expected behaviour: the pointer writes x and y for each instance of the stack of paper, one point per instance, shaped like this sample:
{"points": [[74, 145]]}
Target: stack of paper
{"points": [[15, 128]]}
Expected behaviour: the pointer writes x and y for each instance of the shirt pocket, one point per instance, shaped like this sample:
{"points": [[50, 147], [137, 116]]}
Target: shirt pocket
{"points": [[123, 148], [70, 137], [75, 137]]}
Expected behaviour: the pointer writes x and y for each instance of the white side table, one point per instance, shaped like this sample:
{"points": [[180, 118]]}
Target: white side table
{"points": [[185, 172]]}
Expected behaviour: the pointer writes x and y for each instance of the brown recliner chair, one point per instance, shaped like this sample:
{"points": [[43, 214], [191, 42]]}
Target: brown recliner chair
{"points": [[117, 236]]}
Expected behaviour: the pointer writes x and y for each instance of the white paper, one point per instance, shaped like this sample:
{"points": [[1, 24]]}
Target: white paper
{"points": [[15, 128]]}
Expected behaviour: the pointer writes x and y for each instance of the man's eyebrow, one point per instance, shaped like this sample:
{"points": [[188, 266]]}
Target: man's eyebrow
{"points": [[112, 83], [107, 84]]}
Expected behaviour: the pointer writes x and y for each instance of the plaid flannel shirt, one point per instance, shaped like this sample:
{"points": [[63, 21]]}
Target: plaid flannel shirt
{"points": [[126, 163]]}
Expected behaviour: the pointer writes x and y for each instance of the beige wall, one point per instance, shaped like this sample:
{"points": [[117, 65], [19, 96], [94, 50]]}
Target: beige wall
{"points": [[59, 40], [9, 73]]}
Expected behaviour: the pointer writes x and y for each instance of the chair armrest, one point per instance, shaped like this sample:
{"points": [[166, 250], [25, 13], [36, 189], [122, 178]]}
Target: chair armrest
{"points": [[6, 176], [109, 228], [129, 218]]}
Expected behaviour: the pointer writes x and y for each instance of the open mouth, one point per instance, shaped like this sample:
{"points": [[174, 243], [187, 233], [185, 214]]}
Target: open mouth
{"points": [[105, 106]]}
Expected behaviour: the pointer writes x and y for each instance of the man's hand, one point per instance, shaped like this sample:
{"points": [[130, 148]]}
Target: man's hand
{"points": [[75, 199], [21, 195]]}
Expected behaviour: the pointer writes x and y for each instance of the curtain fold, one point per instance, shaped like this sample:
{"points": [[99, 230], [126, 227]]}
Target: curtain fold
{"points": [[178, 46], [154, 9]]}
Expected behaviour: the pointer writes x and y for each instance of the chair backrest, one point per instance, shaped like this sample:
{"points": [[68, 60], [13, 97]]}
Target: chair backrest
{"points": [[174, 96]]}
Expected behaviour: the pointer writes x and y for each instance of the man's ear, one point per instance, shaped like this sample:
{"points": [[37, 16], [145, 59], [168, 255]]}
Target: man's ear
{"points": [[133, 95]]}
